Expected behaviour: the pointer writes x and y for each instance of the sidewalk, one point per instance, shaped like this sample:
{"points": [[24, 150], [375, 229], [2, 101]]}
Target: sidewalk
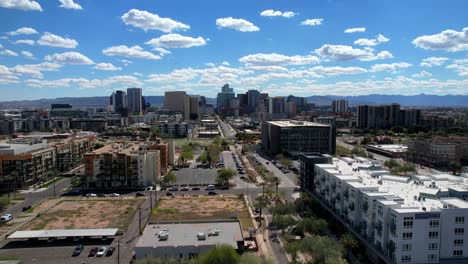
{"points": [[264, 243], [34, 188]]}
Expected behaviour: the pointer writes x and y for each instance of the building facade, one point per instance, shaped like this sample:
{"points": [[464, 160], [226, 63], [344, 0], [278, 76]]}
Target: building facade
{"points": [[135, 101], [174, 101], [436, 151]]}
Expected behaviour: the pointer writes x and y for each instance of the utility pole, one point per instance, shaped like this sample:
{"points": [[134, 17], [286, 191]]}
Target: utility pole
{"points": [[118, 251], [151, 200], [139, 218]]}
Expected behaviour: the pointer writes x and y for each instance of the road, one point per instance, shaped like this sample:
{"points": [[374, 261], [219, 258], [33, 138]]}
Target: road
{"points": [[227, 130], [230, 163]]}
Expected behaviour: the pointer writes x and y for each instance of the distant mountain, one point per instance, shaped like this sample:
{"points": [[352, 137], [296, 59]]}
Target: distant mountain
{"points": [[405, 100]]}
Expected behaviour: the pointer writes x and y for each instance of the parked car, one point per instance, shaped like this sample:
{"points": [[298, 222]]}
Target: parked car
{"points": [[93, 252], [101, 252], [174, 188], [139, 194], [149, 188], [169, 194], [212, 193], [91, 195], [297, 189], [25, 208], [77, 250], [114, 195], [210, 187], [184, 188], [195, 188], [110, 251], [6, 217]]}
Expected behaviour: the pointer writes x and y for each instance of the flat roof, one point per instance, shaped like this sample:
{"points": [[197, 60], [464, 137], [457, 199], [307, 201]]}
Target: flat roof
{"points": [[293, 123], [390, 147], [63, 233], [185, 234]]}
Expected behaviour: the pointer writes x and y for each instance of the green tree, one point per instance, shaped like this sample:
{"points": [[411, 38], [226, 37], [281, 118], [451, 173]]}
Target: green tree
{"points": [[391, 163], [4, 202], [161, 260], [261, 202], [169, 178], [455, 167], [186, 154], [315, 226], [323, 250], [349, 243], [98, 145], [283, 221], [250, 258], [203, 158], [283, 209], [222, 254], [224, 175], [12, 181]]}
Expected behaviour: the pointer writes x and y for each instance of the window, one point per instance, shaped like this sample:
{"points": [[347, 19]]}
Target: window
{"points": [[458, 242], [407, 236], [406, 259], [459, 231], [408, 222], [457, 253], [459, 220], [434, 223], [433, 246], [433, 234], [432, 257], [406, 247]]}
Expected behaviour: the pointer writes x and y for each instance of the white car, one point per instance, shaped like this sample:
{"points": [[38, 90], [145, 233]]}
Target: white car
{"points": [[5, 218], [91, 195], [101, 252], [114, 195]]}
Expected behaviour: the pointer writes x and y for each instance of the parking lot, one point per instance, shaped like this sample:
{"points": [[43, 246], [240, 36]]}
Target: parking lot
{"points": [[60, 251], [195, 176]]}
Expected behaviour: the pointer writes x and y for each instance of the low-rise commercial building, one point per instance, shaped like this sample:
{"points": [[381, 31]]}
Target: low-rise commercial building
{"points": [[122, 165], [436, 151], [296, 137], [418, 219], [389, 150]]}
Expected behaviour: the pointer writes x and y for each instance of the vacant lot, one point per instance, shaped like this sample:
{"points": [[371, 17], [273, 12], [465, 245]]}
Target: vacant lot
{"points": [[87, 213], [203, 208]]}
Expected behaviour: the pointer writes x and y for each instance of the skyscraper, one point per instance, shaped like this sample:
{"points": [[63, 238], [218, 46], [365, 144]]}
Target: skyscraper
{"points": [[224, 99], [194, 108], [253, 96], [340, 106], [118, 103], [175, 101], [135, 103]]}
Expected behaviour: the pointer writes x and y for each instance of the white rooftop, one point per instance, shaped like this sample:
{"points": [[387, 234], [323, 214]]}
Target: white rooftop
{"points": [[391, 147], [293, 123], [63, 233]]}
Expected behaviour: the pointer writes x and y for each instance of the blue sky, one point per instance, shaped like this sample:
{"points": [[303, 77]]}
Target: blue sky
{"points": [[58, 48]]}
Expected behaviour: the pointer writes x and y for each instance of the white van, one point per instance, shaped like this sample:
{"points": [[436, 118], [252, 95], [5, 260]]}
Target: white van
{"points": [[210, 187], [5, 218]]}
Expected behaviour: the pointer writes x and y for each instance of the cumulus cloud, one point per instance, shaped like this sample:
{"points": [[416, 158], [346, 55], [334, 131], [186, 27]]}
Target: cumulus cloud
{"points": [[348, 53], [8, 53], [162, 52], [49, 39], [336, 70], [274, 59], [460, 66], [27, 54], [238, 24], [130, 52], [312, 22], [69, 58], [7, 76], [23, 31], [26, 5], [119, 81], [36, 69], [70, 4], [433, 61], [354, 30], [176, 41], [391, 67], [422, 74], [24, 41], [449, 40], [148, 21], [371, 42], [106, 67], [273, 13]]}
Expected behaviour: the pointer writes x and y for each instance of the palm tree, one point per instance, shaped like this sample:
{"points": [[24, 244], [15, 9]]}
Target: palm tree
{"points": [[276, 181]]}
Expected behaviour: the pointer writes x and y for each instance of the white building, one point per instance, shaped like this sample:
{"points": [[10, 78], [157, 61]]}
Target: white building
{"points": [[418, 219]]}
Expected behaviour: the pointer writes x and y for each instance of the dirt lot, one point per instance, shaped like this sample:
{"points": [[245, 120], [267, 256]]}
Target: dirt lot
{"points": [[203, 208], [87, 213]]}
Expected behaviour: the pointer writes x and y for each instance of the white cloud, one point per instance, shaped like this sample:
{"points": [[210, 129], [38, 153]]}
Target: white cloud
{"points": [[27, 54], [130, 52], [274, 59], [336, 70], [433, 61], [69, 4], [8, 53], [1, 46], [449, 40], [106, 67], [348, 53], [146, 21], [25, 41], [238, 24], [225, 63], [273, 13], [176, 41], [25, 5], [391, 67], [312, 22], [119, 81], [36, 69], [162, 52], [49, 39], [7, 76], [422, 74], [69, 58], [23, 31], [354, 30], [126, 62], [137, 74], [371, 42], [460, 66]]}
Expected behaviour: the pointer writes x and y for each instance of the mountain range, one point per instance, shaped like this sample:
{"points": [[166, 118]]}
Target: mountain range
{"points": [[404, 100]]}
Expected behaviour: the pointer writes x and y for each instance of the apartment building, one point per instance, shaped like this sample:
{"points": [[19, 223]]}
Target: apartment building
{"points": [[70, 150], [418, 219], [295, 137], [436, 151], [173, 129], [122, 166]]}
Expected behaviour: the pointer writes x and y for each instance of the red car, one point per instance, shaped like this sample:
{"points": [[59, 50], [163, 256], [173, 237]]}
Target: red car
{"points": [[93, 252]]}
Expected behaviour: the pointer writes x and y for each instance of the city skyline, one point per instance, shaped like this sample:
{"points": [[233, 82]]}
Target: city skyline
{"points": [[300, 48]]}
